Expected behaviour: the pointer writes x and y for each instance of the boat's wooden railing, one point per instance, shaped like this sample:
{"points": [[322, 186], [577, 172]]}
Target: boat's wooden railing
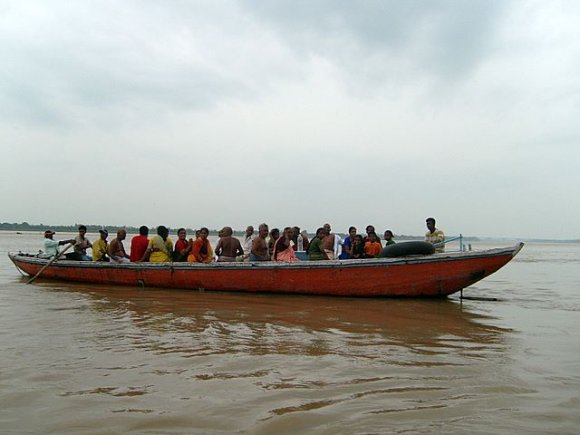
{"points": [[462, 246]]}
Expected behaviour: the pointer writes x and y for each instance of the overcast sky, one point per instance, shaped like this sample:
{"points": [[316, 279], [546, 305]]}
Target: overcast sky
{"points": [[212, 113]]}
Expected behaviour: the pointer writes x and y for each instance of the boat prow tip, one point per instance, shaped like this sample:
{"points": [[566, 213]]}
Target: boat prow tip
{"points": [[518, 248]]}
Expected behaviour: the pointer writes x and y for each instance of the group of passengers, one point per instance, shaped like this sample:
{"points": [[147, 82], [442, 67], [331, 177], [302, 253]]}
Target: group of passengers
{"points": [[266, 245]]}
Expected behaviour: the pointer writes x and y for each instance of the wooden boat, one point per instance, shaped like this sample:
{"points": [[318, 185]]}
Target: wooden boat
{"points": [[412, 276]]}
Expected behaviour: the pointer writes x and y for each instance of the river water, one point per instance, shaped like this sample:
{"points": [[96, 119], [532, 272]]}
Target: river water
{"points": [[82, 359]]}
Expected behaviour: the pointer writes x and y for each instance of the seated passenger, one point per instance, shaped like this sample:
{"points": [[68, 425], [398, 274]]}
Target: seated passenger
{"points": [[160, 249], [116, 250], [347, 245], [358, 247], [315, 249], [248, 240], [283, 247], [182, 246], [372, 246], [100, 246], [274, 234], [139, 244], [305, 240], [297, 240], [331, 243], [260, 250], [371, 229], [389, 238], [201, 251], [228, 247], [81, 245]]}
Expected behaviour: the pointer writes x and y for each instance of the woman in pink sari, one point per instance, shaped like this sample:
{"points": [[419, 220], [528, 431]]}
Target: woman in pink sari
{"points": [[283, 247]]}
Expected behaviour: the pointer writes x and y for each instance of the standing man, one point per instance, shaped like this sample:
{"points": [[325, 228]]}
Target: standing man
{"points": [[247, 242], [116, 249], [51, 246], [434, 235]]}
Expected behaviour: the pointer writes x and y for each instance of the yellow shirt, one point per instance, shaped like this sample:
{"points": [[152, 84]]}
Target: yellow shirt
{"points": [[99, 250], [161, 250], [436, 237]]}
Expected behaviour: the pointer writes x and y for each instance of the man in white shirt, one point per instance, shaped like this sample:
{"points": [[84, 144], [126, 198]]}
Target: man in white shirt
{"points": [[51, 246], [247, 242]]}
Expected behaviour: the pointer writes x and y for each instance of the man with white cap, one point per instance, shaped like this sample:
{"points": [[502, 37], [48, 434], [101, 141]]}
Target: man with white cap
{"points": [[51, 245]]}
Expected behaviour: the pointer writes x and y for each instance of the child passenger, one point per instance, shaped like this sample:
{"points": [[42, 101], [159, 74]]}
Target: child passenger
{"points": [[372, 246]]}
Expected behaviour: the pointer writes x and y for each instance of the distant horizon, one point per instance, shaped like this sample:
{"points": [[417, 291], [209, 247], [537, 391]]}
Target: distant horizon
{"points": [[92, 228]]}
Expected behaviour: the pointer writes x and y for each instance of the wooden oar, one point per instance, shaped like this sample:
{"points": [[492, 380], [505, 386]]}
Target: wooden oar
{"points": [[56, 257]]}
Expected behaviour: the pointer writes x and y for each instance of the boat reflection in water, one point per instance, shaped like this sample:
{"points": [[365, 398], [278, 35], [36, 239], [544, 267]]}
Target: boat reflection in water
{"points": [[211, 361], [266, 323]]}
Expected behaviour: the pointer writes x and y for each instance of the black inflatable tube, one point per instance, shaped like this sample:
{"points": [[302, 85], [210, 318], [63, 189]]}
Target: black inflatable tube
{"points": [[407, 248]]}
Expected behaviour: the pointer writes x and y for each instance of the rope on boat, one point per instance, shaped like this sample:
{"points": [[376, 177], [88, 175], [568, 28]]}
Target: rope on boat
{"points": [[479, 298], [476, 298]]}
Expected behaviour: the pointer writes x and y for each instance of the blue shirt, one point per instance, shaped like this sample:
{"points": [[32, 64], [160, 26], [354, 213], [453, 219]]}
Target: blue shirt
{"points": [[343, 255]]}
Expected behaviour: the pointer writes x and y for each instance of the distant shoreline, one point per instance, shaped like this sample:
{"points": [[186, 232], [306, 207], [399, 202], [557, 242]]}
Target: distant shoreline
{"points": [[29, 228]]}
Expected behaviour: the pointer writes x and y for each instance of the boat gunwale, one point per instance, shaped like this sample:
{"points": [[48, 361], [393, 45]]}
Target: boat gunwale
{"points": [[269, 265]]}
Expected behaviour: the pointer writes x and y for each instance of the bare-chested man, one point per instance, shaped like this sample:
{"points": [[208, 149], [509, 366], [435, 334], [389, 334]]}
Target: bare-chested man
{"points": [[116, 250], [228, 247], [260, 250], [330, 242]]}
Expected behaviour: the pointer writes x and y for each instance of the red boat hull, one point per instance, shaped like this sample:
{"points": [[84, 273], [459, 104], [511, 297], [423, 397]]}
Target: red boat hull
{"points": [[422, 276]]}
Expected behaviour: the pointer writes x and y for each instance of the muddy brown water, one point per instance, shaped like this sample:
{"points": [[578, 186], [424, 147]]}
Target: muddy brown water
{"points": [[82, 359]]}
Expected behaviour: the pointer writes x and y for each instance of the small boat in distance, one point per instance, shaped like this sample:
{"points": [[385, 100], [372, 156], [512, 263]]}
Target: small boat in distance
{"points": [[434, 275]]}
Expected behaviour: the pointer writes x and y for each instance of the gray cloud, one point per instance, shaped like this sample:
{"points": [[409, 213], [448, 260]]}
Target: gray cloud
{"points": [[143, 58], [227, 112], [148, 58], [447, 39]]}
